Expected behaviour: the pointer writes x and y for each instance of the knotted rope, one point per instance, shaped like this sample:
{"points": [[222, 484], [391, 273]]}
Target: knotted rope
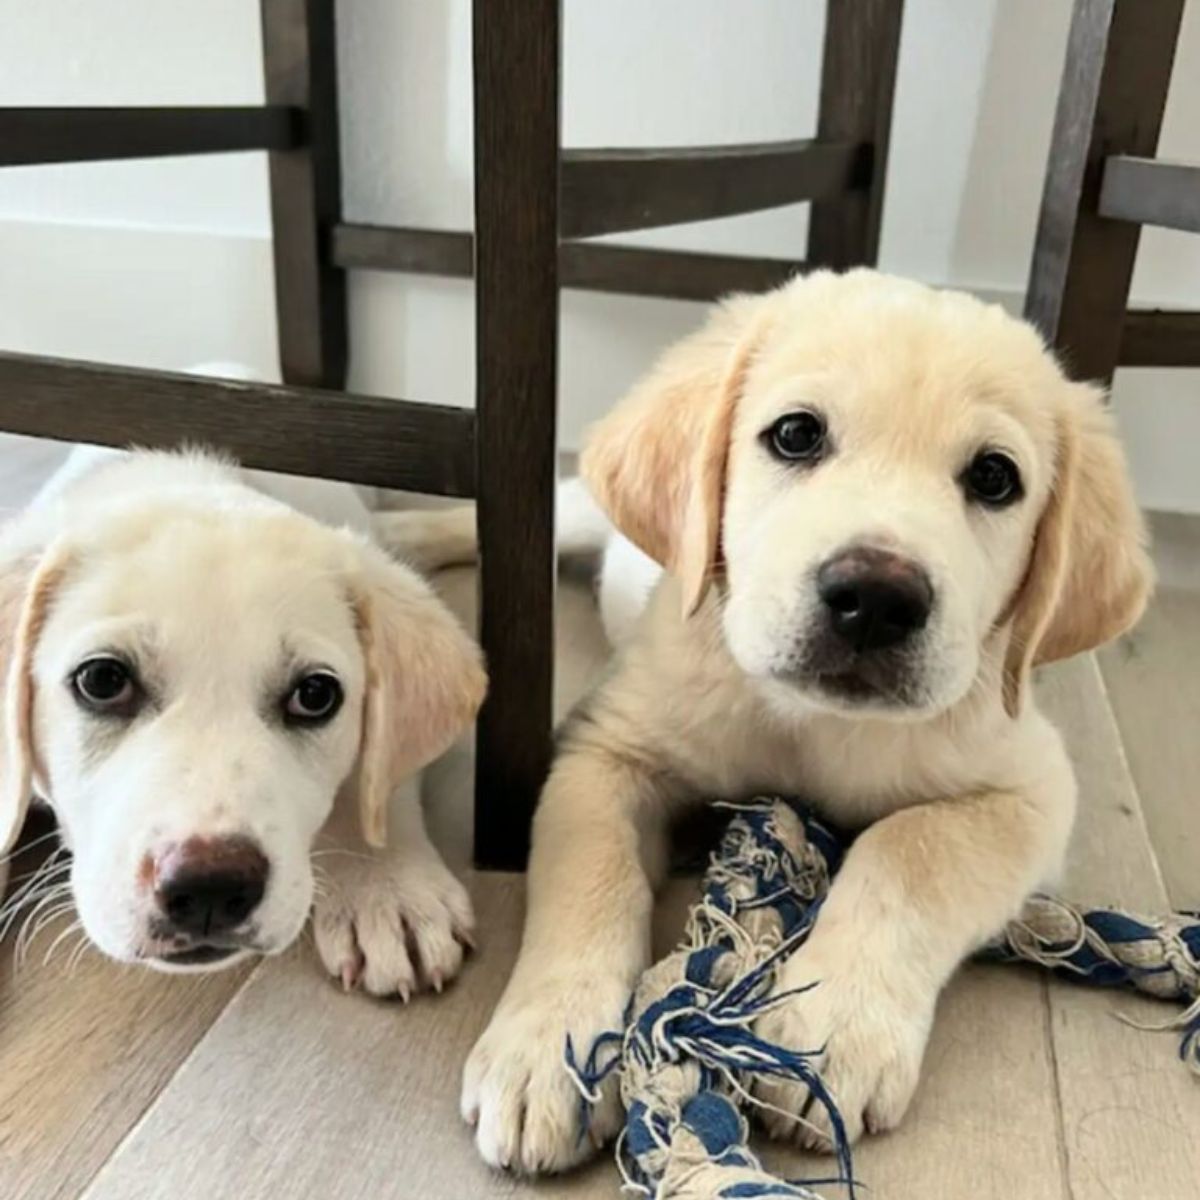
{"points": [[688, 1053]]}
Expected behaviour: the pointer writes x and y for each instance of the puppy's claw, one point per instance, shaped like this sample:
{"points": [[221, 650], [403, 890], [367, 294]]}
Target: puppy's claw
{"points": [[351, 974], [391, 931]]}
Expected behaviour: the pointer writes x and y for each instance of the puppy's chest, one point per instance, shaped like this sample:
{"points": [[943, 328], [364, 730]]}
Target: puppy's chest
{"points": [[853, 774]]}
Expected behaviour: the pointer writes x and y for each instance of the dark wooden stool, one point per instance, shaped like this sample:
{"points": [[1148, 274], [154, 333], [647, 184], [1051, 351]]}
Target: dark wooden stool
{"points": [[1103, 184], [535, 206]]}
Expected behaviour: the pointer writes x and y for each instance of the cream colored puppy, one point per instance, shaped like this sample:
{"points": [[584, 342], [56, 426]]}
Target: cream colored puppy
{"points": [[198, 678], [880, 505]]}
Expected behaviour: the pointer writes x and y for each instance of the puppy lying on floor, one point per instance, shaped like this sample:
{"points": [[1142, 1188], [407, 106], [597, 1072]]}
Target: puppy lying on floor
{"points": [[880, 506], [199, 678]]}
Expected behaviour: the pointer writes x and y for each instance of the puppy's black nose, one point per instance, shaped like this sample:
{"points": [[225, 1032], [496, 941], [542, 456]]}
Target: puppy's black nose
{"points": [[873, 598], [208, 886]]}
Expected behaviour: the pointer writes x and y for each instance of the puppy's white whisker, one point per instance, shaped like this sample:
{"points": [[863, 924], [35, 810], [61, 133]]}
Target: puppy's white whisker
{"points": [[50, 866], [81, 948], [41, 884], [31, 929], [47, 909], [34, 930], [25, 847], [73, 927]]}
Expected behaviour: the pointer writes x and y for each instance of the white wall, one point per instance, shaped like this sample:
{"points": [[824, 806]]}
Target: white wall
{"points": [[165, 263]]}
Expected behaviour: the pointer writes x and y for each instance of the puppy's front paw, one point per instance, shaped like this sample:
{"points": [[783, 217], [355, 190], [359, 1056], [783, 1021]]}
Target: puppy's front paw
{"points": [[392, 925], [516, 1090], [867, 1029]]}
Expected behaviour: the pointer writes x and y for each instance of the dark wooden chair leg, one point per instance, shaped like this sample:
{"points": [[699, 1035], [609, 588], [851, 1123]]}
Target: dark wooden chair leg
{"points": [[300, 61], [858, 82], [1114, 89], [516, 52]]}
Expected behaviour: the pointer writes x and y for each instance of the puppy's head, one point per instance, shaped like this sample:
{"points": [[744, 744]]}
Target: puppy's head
{"points": [[190, 689], [895, 486]]}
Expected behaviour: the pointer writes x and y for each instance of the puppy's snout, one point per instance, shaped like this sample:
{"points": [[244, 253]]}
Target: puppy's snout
{"points": [[207, 886], [873, 598]]}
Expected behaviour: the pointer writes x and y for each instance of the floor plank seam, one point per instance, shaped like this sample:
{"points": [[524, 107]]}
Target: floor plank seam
{"points": [[1064, 1151], [1123, 756], [156, 1099]]}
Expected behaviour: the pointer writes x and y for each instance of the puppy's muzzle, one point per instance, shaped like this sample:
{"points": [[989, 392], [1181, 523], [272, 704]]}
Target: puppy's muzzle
{"points": [[207, 889], [873, 599]]}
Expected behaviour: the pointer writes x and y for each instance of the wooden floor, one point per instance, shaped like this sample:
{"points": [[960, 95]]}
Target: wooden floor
{"points": [[116, 1084]]}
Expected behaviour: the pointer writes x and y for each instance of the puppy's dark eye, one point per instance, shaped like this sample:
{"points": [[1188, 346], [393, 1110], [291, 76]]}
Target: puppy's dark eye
{"points": [[105, 685], [797, 437], [993, 479], [314, 700]]}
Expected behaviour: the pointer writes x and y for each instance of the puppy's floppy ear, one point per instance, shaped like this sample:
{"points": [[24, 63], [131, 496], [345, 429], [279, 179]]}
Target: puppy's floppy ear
{"points": [[27, 586], [656, 463], [424, 682], [1089, 575]]}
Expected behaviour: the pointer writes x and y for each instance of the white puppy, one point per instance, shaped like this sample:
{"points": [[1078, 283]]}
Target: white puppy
{"points": [[199, 677], [880, 505]]}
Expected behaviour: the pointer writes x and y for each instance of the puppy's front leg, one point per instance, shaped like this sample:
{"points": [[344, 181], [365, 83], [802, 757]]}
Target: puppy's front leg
{"points": [[918, 892], [393, 921], [597, 844]]}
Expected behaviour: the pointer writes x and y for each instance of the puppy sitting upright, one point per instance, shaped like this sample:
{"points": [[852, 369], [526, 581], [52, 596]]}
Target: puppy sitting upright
{"points": [[195, 670], [879, 505]]}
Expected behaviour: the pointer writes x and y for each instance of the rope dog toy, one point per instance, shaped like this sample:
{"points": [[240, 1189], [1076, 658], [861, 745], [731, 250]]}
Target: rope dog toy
{"points": [[688, 1053]]}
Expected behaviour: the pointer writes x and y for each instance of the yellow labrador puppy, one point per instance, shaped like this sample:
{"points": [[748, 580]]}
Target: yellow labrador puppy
{"points": [[879, 506], [198, 677]]}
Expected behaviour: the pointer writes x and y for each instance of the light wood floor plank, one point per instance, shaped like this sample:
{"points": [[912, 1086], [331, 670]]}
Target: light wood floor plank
{"points": [[1153, 681], [1130, 1109], [83, 1053]]}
